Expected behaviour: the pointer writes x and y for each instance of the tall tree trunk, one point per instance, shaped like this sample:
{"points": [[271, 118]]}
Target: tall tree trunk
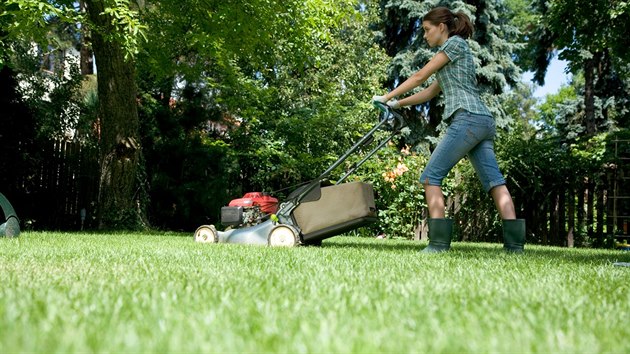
{"points": [[571, 216], [87, 55], [554, 214], [581, 220], [589, 93], [118, 202]]}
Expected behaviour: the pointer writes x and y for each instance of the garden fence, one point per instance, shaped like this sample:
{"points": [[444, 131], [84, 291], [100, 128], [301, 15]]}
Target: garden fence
{"points": [[62, 181], [594, 211]]}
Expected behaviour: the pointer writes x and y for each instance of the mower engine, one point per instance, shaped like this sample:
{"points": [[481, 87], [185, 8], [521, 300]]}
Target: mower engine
{"points": [[252, 209]]}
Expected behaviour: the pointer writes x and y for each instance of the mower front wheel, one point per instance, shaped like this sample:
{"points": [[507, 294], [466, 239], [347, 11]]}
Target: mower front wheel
{"points": [[283, 236], [206, 234]]}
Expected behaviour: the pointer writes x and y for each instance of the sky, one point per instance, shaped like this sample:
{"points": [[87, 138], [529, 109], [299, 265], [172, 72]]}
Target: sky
{"points": [[554, 78]]}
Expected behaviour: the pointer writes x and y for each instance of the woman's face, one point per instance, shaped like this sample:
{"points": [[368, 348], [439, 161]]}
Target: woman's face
{"points": [[434, 35]]}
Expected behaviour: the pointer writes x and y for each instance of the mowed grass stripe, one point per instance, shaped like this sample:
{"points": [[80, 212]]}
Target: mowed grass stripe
{"points": [[77, 292]]}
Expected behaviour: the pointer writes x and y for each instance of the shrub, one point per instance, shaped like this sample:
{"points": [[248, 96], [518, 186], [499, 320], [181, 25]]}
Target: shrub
{"points": [[394, 174]]}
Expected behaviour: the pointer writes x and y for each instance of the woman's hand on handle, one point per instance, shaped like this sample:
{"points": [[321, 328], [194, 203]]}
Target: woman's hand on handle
{"points": [[383, 99]]}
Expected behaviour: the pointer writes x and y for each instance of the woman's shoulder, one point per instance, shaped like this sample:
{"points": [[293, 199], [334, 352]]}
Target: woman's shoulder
{"points": [[457, 40], [454, 42], [455, 47]]}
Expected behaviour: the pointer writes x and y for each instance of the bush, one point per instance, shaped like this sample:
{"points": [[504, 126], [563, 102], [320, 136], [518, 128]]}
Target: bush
{"points": [[394, 174]]}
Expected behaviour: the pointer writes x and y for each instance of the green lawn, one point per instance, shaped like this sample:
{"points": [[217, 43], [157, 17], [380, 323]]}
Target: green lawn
{"points": [[162, 292]]}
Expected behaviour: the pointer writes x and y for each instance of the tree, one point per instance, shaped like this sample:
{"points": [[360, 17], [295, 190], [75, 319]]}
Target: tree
{"points": [[118, 200], [287, 99], [18, 129], [232, 56], [115, 30], [592, 36]]}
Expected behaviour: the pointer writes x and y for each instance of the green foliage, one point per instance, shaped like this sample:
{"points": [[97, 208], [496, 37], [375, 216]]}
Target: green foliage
{"points": [[126, 28], [520, 105], [563, 113], [394, 173], [573, 21], [568, 26], [29, 20], [526, 16], [558, 110], [282, 116], [565, 28], [188, 173], [62, 102], [319, 113], [217, 40], [594, 155]]}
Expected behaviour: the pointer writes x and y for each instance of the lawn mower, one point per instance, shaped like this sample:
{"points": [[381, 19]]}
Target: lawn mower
{"points": [[11, 226], [313, 212]]}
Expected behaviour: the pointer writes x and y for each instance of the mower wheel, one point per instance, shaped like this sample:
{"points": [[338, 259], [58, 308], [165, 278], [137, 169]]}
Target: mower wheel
{"points": [[206, 234], [283, 236]]}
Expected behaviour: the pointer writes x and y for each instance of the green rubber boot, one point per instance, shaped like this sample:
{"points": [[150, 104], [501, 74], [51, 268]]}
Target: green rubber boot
{"points": [[440, 232], [514, 235]]}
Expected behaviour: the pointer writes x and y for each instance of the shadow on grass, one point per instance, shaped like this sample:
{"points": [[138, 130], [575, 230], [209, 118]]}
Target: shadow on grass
{"points": [[494, 250], [554, 254], [580, 255], [387, 245]]}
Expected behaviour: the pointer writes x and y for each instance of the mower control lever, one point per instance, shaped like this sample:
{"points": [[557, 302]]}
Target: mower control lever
{"points": [[394, 120]]}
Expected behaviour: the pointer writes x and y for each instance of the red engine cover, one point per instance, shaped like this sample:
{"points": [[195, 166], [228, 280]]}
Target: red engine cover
{"points": [[267, 204]]}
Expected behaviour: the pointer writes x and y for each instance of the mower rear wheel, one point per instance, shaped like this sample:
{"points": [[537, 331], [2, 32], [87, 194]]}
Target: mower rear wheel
{"points": [[206, 234], [283, 236]]}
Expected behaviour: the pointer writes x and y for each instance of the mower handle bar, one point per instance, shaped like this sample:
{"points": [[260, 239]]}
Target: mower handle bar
{"points": [[389, 117], [394, 119]]}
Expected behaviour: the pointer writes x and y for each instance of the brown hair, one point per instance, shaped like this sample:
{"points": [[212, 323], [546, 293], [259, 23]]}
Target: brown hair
{"points": [[457, 24]]}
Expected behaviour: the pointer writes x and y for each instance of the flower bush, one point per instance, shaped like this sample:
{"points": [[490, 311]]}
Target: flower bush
{"points": [[394, 174]]}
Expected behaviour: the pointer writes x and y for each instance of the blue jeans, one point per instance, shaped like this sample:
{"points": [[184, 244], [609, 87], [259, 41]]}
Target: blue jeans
{"points": [[471, 135]]}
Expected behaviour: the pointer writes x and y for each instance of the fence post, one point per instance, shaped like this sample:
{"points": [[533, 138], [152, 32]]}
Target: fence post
{"points": [[562, 220], [590, 208], [600, 213], [571, 217]]}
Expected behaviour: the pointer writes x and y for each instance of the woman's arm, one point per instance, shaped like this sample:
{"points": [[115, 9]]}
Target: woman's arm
{"points": [[436, 63], [422, 96]]}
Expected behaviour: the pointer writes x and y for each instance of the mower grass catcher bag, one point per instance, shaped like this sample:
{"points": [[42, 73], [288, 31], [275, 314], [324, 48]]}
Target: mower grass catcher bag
{"points": [[338, 209]]}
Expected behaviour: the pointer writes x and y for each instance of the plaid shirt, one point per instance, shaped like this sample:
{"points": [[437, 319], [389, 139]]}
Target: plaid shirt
{"points": [[458, 79]]}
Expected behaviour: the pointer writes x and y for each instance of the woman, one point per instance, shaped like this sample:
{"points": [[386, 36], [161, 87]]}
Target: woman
{"points": [[471, 131]]}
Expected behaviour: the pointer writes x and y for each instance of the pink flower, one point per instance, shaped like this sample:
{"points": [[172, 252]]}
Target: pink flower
{"points": [[400, 169]]}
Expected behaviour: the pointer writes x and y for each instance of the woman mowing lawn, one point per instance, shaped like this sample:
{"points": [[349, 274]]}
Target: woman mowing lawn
{"points": [[471, 128]]}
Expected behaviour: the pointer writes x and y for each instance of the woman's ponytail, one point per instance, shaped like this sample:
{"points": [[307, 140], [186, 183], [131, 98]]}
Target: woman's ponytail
{"points": [[458, 24], [461, 25]]}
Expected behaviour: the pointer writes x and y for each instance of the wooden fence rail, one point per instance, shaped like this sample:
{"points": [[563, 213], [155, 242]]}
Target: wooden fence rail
{"points": [[595, 211], [63, 181]]}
